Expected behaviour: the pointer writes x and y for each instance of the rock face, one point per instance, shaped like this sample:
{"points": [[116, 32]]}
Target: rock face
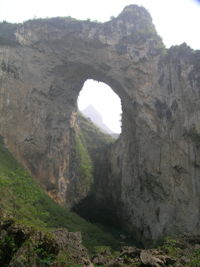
{"points": [[21, 245], [154, 167]]}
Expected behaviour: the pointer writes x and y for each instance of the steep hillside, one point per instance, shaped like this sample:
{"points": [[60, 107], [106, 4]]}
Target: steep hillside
{"points": [[23, 202], [33, 230]]}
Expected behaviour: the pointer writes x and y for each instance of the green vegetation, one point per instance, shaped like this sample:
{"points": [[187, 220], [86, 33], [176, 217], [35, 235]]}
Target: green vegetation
{"points": [[184, 250], [28, 217], [8, 247], [21, 198], [21, 245], [54, 20], [195, 258], [84, 162], [171, 247]]}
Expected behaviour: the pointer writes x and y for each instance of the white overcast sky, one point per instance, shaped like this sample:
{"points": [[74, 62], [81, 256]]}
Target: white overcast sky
{"points": [[176, 21]]}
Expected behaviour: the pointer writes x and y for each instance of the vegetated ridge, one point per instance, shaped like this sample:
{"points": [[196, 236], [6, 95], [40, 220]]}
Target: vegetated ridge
{"points": [[30, 220]]}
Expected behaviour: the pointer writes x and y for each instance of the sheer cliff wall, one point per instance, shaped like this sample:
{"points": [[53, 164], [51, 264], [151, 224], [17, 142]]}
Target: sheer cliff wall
{"points": [[155, 165]]}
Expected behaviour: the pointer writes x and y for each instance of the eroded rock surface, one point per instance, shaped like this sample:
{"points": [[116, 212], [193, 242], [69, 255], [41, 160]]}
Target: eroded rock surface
{"points": [[21, 245], [154, 168]]}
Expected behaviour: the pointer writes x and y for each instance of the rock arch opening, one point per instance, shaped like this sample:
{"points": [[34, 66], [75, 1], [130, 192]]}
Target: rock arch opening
{"points": [[98, 102]]}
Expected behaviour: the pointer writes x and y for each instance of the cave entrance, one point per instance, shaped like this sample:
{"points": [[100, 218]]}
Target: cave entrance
{"points": [[98, 102]]}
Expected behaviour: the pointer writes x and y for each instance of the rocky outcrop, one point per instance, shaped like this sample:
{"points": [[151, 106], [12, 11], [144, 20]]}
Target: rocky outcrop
{"points": [[22, 245], [44, 64]]}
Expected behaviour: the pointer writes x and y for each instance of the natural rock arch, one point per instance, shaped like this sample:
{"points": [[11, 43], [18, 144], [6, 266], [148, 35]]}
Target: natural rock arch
{"points": [[154, 181]]}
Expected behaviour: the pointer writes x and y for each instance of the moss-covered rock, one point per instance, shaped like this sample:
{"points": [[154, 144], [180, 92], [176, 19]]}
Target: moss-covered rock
{"points": [[22, 245]]}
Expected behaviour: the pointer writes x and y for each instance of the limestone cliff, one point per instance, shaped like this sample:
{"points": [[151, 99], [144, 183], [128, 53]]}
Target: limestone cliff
{"points": [[155, 164]]}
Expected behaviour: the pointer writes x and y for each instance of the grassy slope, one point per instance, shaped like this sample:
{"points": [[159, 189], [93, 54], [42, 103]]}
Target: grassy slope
{"points": [[22, 198]]}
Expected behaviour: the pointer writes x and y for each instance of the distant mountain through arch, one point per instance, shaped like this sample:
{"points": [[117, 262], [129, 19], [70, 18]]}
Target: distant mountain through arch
{"points": [[102, 105], [91, 113]]}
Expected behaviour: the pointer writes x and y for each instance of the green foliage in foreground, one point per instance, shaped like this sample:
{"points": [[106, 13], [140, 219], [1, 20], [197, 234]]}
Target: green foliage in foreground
{"points": [[21, 197], [185, 252]]}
